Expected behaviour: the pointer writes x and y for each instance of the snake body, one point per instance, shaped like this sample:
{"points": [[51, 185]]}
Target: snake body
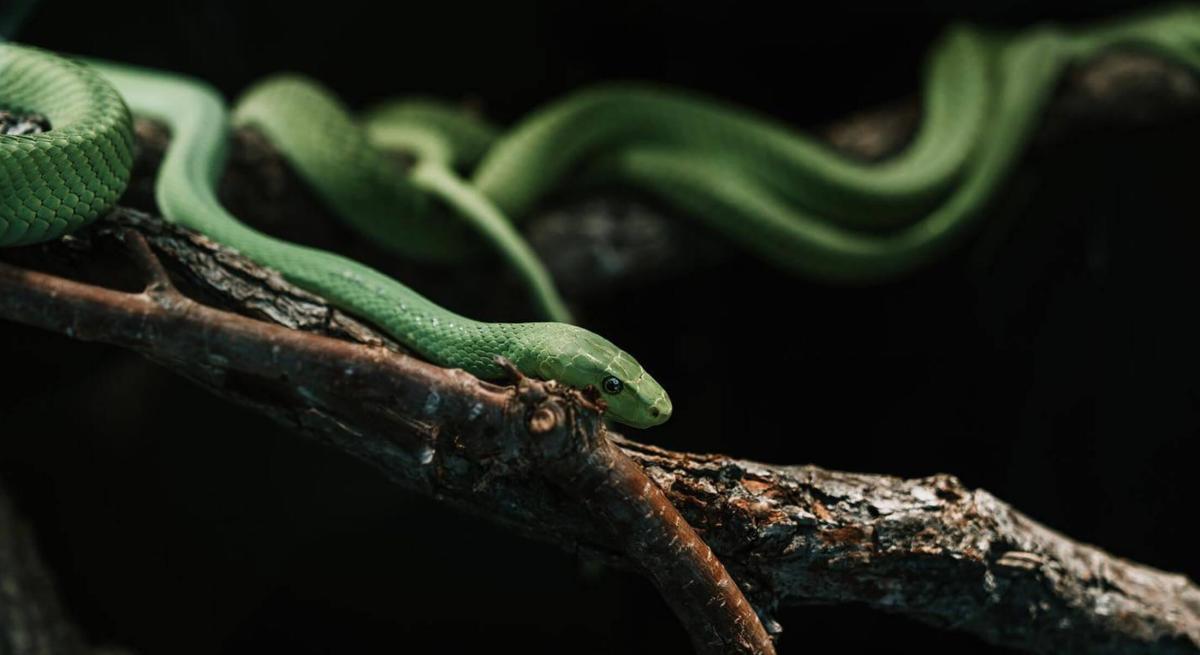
{"points": [[791, 199], [779, 193], [55, 182]]}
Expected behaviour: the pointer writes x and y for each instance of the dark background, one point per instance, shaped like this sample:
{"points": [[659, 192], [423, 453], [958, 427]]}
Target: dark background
{"points": [[1052, 361]]}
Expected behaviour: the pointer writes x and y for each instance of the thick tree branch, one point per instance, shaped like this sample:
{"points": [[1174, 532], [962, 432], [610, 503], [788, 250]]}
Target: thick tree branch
{"points": [[929, 548], [575, 452], [535, 427]]}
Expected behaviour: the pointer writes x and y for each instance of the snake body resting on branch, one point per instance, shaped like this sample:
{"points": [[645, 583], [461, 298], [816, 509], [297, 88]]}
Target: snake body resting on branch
{"points": [[779, 193]]}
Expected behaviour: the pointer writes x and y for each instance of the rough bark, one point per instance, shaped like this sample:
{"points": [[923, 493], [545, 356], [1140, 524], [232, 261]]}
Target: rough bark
{"points": [[929, 548], [537, 428]]}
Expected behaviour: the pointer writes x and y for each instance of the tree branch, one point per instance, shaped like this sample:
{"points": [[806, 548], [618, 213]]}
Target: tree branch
{"points": [[929, 548], [538, 428], [574, 451], [32, 620]]}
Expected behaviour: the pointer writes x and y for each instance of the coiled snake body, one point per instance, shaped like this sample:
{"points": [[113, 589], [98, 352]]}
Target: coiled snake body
{"points": [[779, 193]]}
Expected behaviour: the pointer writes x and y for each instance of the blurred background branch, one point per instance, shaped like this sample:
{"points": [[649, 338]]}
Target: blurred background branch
{"points": [[32, 619]]}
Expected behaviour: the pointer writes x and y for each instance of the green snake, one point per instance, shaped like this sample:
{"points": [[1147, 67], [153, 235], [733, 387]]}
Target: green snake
{"points": [[779, 193]]}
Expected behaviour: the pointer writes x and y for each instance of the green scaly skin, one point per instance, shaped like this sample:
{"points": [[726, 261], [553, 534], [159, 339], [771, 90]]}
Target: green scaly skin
{"points": [[55, 182], [786, 196], [328, 148], [778, 193], [196, 117]]}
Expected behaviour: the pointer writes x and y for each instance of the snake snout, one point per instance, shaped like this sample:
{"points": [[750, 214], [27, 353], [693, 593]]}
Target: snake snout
{"points": [[660, 410]]}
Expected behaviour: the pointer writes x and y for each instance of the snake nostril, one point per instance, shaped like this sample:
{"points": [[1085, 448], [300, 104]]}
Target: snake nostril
{"points": [[654, 412]]}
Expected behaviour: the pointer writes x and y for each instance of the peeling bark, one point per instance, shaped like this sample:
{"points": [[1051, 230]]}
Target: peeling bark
{"points": [[930, 548]]}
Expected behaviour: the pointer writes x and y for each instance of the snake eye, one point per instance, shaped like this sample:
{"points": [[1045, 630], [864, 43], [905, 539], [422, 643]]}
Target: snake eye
{"points": [[612, 385]]}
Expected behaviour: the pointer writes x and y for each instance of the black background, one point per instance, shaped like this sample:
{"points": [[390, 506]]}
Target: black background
{"points": [[1052, 361]]}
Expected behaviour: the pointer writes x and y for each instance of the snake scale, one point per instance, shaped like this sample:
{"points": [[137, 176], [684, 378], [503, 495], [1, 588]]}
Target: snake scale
{"points": [[779, 193]]}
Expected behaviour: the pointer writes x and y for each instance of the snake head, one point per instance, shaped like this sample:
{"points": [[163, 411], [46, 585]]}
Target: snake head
{"points": [[581, 359]]}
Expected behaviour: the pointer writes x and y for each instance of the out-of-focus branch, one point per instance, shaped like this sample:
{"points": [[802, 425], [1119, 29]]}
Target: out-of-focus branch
{"points": [[32, 621]]}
